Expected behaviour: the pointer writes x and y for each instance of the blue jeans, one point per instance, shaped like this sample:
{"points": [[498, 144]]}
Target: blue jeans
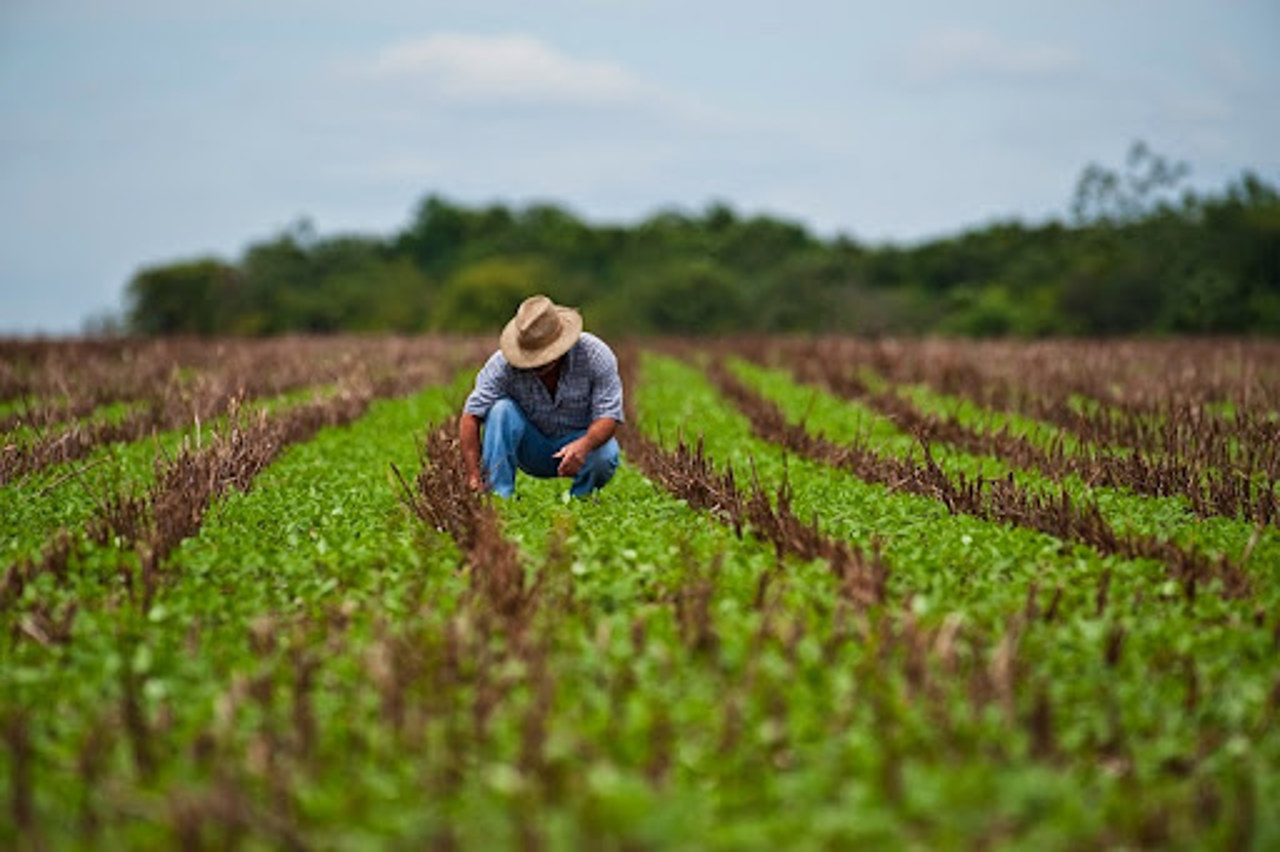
{"points": [[511, 442]]}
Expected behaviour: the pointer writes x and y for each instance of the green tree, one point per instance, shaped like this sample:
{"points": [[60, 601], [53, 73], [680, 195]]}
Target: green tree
{"points": [[483, 296], [811, 290], [1107, 195], [182, 298], [691, 297], [1131, 260], [277, 273], [435, 236]]}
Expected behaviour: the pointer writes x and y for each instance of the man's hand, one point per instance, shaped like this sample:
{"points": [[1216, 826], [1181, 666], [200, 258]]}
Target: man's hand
{"points": [[475, 482], [573, 456]]}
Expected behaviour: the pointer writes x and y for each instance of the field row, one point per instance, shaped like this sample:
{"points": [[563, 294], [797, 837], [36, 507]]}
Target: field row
{"points": [[786, 620], [61, 402], [1217, 447]]}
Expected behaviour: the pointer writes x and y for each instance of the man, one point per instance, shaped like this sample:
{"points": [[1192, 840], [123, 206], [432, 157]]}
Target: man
{"points": [[550, 400]]}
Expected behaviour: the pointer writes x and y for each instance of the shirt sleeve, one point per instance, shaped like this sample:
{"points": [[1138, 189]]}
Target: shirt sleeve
{"points": [[606, 385], [490, 386]]}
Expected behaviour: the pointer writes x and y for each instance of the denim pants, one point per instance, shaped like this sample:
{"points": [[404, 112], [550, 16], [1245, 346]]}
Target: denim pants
{"points": [[511, 442]]}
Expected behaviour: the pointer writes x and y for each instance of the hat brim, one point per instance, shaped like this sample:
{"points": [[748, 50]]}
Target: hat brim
{"points": [[524, 359]]}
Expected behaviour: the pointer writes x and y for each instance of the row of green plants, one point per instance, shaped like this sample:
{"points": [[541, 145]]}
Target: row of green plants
{"points": [[69, 392], [58, 473], [151, 689], [1239, 478], [327, 662], [67, 494], [1163, 518], [1151, 419], [306, 578], [1116, 657]]}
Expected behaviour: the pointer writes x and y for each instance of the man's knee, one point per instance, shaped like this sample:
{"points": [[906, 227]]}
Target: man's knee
{"points": [[598, 469], [609, 452], [604, 460]]}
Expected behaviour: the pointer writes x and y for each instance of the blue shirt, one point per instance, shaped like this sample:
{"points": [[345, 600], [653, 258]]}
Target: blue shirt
{"points": [[589, 389]]}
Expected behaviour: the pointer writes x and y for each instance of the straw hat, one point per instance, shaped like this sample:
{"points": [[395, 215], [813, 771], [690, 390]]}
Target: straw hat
{"points": [[540, 333]]}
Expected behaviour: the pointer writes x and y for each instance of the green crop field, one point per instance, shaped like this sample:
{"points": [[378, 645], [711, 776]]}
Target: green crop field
{"points": [[840, 594]]}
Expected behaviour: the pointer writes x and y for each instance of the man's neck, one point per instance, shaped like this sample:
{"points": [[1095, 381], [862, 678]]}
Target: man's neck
{"points": [[552, 378]]}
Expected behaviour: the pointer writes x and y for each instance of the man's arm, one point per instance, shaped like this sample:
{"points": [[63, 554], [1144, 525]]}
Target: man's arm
{"points": [[490, 386], [469, 439], [574, 454]]}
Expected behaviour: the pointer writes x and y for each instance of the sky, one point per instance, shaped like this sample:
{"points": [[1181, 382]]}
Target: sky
{"points": [[139, 132]]}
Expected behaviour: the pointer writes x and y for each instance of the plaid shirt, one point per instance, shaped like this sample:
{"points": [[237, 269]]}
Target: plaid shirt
{"points": [[589, 389]]}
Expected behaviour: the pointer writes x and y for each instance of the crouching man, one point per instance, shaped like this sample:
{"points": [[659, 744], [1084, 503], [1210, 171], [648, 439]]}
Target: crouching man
{"points": [[548, 403]]}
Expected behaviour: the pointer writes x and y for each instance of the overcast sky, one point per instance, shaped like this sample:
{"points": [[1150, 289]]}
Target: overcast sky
{"points": [[142, 131]]}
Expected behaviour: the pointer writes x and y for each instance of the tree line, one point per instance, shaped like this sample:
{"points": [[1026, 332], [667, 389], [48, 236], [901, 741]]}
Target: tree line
{"points": [[1137, 255]]}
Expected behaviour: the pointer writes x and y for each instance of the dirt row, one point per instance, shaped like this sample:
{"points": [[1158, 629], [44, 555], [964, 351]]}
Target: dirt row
{"points": [[1040, 377], [1163, 403], [443, 499], [1000, 500], [1242, 486]]}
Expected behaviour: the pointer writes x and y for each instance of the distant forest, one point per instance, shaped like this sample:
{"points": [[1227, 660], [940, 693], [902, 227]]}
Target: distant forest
{"points": [[1137, 255]]}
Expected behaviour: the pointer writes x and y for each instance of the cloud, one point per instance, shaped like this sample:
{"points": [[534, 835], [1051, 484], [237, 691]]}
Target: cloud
{"points": [[504, 69], [964, 52]]}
